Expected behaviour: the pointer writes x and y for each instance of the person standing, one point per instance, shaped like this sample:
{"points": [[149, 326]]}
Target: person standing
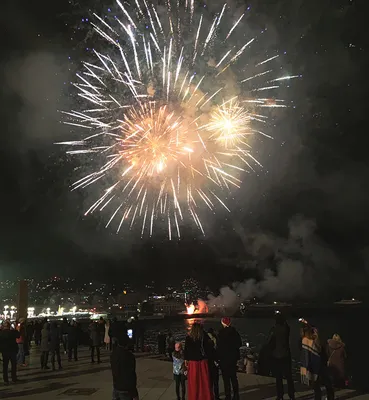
{"points": [[279, 340], [45, 346], [198, 350], [170, 344], [314, 370], [55, 339], [64, 331], [107, 340], [161, 343], [21, 356], [229, 343], [101, 329], [9, 350], [123, 367], [179, 371], [30, 331], [336, 353], [73, 341], [213, 365], [95, 342], [38, 328]]}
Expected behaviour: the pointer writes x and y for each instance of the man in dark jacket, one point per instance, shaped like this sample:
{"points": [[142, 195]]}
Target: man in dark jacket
{"points": [[279, 341], [123, 366], [72, 341], [55, 339], [95, 341], [9, 350], [228, 348]]}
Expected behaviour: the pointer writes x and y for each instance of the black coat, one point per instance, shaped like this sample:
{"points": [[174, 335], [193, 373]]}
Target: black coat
{"points": [[72, 336], [8, 341], [55, 337], [95, 335], [123, 366], [197, 350], [280, 341], [228, 346]]}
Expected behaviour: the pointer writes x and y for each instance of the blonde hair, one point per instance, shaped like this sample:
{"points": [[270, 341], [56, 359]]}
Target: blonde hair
{"points": [[197, 331], [337, 337]]}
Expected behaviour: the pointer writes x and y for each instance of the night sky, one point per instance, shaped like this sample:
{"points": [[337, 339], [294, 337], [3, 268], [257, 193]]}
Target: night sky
{"points": [[299, 225]]}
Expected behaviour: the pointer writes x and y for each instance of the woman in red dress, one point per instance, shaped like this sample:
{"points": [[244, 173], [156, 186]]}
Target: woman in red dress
{"points": [[198, 350]]}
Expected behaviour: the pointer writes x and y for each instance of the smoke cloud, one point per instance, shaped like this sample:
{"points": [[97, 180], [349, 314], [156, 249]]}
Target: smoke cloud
{"points": [[288, 267]]}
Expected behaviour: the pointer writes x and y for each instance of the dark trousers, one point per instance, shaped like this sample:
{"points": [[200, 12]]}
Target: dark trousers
{"points": [[72, 349], [214, 376], [180, 386], [97, 348], [12, 357], [229, 373], [283, 369], [44, 359], [65, 342], [323, 380], [56, 353]]}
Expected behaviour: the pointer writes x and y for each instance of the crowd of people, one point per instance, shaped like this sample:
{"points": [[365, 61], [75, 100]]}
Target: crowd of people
{"points": [[207, 354], [197, 363]]}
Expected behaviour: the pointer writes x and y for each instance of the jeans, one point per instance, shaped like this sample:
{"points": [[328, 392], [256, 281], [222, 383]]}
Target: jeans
{"points": [[12, 357], [323, 379], [56, 353], [65, 342], [118, 395], [21, 358], [72, 349], [97, 353], [229, 373], [180, 386], [44, 359], [283, 369]]}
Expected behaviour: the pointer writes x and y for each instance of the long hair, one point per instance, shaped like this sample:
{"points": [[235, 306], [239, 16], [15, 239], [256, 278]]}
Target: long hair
{"points": [[197, 331]]}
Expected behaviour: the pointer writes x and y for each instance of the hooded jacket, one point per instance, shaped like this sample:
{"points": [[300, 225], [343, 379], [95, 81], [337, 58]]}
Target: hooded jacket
{"points": [[336, 354], [45, 338], [228, 346]]}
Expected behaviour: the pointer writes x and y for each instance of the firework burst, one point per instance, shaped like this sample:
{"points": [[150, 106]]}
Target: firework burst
{"points": [[156, 109]]}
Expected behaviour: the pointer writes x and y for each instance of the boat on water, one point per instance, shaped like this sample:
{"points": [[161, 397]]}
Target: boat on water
{"points": [[349, 302]]}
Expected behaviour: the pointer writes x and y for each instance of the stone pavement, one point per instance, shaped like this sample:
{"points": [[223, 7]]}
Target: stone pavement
{"points": [[82, 380]]}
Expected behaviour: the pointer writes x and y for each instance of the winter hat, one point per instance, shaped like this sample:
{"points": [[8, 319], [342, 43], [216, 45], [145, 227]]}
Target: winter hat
{"points": [[226, 322], [178, 346]]}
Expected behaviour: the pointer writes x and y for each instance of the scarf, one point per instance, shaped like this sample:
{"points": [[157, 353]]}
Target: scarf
{"points": [[310, 361]]}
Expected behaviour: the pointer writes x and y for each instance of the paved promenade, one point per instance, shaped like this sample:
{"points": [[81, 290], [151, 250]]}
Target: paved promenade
{"points": [[85, 381]]}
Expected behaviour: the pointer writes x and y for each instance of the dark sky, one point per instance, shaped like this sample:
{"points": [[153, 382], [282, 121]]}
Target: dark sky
{"points": [[308, 205]]}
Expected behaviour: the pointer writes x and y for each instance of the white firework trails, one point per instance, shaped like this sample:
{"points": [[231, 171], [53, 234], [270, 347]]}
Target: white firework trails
{"points": [[157, 109]]}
